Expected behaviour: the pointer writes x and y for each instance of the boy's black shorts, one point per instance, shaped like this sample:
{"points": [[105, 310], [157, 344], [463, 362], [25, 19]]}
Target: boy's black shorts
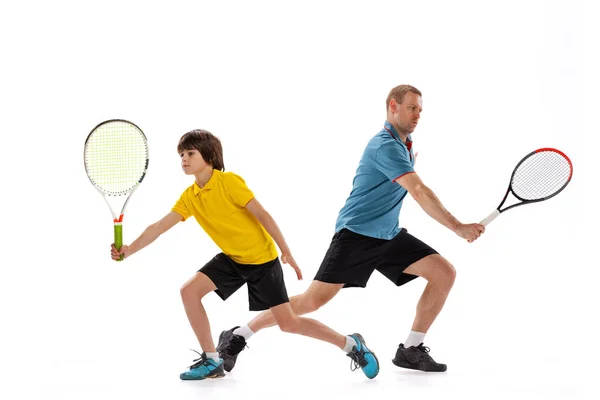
{"points": [[266, 287]]}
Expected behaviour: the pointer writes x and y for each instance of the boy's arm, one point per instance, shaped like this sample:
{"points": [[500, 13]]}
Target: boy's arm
{"points": [[271, 227], [148, 236]]}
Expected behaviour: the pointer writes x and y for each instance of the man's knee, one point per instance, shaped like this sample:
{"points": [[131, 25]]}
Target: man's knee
{"points": [[317, 302], [289, 325], [436, 270], [310, 302], [447, 274]]}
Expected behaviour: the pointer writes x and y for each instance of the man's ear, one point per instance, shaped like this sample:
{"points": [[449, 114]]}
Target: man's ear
{"points": [[393, 106]]}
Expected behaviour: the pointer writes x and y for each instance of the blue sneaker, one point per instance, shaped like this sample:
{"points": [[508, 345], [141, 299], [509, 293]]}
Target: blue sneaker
{"points": [[204, 368], [363, 357]]}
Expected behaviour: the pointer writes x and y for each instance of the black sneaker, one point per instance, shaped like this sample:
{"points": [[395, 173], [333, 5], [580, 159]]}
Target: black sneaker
{"points": [[417, 358], [229, 347]]}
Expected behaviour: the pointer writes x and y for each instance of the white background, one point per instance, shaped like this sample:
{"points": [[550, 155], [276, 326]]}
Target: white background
{"points": [[295, 91]]}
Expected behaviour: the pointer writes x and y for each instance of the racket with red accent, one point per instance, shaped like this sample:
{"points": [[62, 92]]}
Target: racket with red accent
{"points": [[116, 161], [539, 176]]}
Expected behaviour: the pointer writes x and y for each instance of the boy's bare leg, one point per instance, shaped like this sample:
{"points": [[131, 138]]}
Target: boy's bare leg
{"points": [[192, 293]]}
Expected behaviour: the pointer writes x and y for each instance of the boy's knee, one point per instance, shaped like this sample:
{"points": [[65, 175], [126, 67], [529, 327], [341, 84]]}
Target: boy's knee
{"points": [[188, 293]]}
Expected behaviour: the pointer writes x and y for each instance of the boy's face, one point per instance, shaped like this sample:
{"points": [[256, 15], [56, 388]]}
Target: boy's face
{"points": [[192, 162]]}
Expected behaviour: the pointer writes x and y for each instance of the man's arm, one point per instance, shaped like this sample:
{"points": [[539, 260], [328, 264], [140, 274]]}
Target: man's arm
{"points": [[435, 209]]}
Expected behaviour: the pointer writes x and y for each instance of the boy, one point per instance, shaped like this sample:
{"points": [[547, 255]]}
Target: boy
{"points": [[230, 214]]}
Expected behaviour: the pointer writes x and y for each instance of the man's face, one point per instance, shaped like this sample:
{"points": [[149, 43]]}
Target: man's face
{"points": [[406, 114]]}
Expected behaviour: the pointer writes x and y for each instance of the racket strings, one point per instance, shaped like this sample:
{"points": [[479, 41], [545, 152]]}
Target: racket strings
{"points": [[541, 175], [115, 157]]}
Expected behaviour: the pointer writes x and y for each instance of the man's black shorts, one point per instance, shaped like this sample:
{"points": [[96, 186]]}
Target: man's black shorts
{"points": [[352, 258]]}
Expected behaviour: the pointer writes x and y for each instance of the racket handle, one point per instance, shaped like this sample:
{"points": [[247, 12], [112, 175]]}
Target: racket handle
{"points": [[490, 218], [119, 237]]}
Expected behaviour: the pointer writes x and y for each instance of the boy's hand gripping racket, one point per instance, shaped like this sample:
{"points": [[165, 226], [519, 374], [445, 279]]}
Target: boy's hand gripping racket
{"points": [[116, 160], [540, 175]]}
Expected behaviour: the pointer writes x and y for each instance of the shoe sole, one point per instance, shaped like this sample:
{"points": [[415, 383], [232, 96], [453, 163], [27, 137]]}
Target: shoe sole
{"points": [[218, 375], [411, 366], [374, 356]]}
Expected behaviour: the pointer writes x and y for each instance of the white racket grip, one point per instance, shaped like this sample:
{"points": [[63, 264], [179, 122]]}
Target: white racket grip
{"points": [[490, 218]]}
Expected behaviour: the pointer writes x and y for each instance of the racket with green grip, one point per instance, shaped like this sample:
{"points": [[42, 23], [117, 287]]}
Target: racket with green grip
{"points": [[116, 161]]}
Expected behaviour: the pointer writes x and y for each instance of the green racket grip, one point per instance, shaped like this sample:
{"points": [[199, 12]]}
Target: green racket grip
{"points": [[119, 238]]}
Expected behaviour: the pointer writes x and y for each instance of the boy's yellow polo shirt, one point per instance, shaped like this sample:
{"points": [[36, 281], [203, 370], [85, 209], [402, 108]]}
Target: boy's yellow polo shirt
{"points": [[220, 209]]}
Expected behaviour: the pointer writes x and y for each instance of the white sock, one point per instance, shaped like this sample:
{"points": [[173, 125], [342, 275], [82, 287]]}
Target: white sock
{"points": [[244, 331], [350, 343], [414, 339], [214, 356]]}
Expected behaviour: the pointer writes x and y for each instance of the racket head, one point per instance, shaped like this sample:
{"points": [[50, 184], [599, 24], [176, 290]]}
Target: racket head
{"points": [[116, 156], [540, 175]]}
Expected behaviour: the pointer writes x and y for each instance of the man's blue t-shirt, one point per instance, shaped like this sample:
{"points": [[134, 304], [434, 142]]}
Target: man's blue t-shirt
{"points": [[373, 207]]}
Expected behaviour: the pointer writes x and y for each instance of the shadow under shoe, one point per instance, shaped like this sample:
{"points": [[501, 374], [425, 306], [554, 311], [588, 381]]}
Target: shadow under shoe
{"points": [[230, 345], [417, 358]]}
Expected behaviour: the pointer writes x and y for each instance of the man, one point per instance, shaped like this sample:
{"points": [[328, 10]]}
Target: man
{"points": [[368, 237]]}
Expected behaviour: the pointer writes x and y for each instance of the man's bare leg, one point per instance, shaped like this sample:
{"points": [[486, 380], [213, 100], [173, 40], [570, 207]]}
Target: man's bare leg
{"points": [[318, 294], [290, 322], [440, 275]]}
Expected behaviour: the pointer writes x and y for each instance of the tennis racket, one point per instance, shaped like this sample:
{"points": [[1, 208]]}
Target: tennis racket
{"points": [[540, 175], [116, 160]]}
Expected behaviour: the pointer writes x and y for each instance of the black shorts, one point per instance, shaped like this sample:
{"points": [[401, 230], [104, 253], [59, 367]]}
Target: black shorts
{"points": [[352, 258], [266, 287]]}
